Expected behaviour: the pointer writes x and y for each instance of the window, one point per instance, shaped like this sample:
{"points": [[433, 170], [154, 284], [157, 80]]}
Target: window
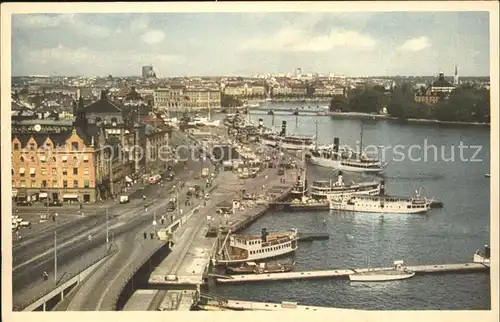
{"points": [[16, 146], [23, 183], [54, 183], [54, 171], [75, 183], [21, 158], [65, 183], [44, 183], [75, 159], [33, 183], [65, 171], [44, 172], [32, 146], [86, 171], [75, 171], [74, 146], [86, 183], [54, 159], [32, 158]]}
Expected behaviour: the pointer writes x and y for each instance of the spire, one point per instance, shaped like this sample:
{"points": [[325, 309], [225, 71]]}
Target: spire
{"points": [[75, 108], [455, 77]]}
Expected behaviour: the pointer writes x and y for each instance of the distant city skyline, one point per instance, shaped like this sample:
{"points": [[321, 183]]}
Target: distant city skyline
{"points": [[212, 44]]}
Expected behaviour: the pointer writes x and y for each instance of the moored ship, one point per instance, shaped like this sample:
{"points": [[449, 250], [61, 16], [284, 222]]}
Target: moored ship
{"points": [[246, 248], [324, 189], [397, 273], [482, 255], [260, 268], [381, 204]]}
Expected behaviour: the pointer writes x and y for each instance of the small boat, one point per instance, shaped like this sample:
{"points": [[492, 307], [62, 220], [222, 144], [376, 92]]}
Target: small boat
{"points": [[483, 255], [487, 175], [260, 268], [322, 189], [397, 273]]}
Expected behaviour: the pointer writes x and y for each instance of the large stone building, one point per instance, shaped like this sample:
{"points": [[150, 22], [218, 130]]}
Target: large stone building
{"points": [[53, 160], [178, 97]]}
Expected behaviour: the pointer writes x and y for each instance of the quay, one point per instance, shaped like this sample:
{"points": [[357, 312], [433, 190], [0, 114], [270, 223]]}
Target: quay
{"points": [[342, 273]]}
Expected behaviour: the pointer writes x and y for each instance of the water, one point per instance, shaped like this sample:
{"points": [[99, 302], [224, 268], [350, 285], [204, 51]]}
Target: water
{"points": [[448, 235]]}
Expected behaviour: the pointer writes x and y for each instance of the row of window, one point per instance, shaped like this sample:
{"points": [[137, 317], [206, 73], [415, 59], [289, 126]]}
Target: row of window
{"points": [[268, 249], [54, 184], [43, 158], [48, 146], [43, 171]]}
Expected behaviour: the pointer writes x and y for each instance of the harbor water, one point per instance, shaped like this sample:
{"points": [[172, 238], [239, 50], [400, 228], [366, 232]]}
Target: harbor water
{"points": [[357, 240]]}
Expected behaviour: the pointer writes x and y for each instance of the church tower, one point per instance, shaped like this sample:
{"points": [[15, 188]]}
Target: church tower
{"points": [[455, 77]]}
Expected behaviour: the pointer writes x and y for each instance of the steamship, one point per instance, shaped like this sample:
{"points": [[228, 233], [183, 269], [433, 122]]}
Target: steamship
{"points": [[323, 189], [288, 142], [248, 248], [345, 159], [381, 204]]}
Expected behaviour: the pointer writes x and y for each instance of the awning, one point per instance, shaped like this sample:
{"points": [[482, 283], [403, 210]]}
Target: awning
{"points": [[128, 179], [32, 170], [42, 195], [21, 170], [65, 158], [85, 158], [70, 196], [43, 158]]}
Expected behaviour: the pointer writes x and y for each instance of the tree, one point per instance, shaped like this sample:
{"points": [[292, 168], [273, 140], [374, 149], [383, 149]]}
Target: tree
{"points": [[229, 101], [339, 103]]}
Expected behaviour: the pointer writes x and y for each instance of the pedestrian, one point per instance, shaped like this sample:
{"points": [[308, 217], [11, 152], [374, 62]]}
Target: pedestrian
{"points": [[152, 235], [90, 238], [145, 235], [45, 276]]}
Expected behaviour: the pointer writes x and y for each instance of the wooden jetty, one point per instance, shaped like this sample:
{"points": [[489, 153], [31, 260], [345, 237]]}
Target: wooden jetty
{"points": [[343, 273]]}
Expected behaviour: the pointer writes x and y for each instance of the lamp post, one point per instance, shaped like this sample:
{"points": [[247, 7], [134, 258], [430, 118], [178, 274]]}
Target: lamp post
{"points": [[55, 255], [107, 230]]}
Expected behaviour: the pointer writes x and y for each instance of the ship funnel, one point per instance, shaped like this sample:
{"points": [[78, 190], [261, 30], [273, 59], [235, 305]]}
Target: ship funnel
{"points": [[336, 144], [340, 180], [283, 128], [264, 234], [382, 187]]}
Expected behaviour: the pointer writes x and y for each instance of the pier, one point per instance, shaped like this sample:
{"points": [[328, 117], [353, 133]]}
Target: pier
{"points": [[343, 273]]}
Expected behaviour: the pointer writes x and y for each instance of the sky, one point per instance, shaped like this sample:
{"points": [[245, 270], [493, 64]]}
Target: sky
{"points": [[210, 44]]}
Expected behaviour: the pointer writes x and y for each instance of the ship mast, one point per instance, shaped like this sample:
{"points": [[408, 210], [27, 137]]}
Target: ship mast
{"points": [[316, 138], [361, 141]]}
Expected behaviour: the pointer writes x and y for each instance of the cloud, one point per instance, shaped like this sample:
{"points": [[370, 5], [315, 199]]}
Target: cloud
{"points": [[298, 40], [84, 60], [153, 37], [68, 21], [42, 21], [415, 44], [139, 23]]}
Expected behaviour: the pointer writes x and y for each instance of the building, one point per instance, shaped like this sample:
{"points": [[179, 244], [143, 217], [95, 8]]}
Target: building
{"points": [[201, 98], [178, 97], [298, 89], [51, 159], [255, 89], [148, 72], [456, 81], [437, 91], [169, 97]]}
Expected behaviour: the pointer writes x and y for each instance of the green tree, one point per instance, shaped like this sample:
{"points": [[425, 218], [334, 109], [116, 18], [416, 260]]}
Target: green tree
{"points": [[339, 103]]}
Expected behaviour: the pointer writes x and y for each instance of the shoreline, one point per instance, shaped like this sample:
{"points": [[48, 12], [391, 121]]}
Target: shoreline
{"points": [[414, 120]]}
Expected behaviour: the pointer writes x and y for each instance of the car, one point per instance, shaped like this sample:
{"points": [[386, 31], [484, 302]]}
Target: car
{"points": [[24, 203], [124, 199], [53, 203]]}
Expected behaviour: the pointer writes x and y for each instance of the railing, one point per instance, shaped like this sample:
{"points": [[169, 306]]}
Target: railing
{"points": [[63, 279]]}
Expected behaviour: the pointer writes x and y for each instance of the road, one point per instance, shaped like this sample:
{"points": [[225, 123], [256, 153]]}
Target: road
{"points": [[35, 254]]}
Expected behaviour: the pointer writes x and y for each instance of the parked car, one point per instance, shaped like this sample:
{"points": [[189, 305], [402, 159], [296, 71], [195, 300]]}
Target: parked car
{"points": [[24, 203]]}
